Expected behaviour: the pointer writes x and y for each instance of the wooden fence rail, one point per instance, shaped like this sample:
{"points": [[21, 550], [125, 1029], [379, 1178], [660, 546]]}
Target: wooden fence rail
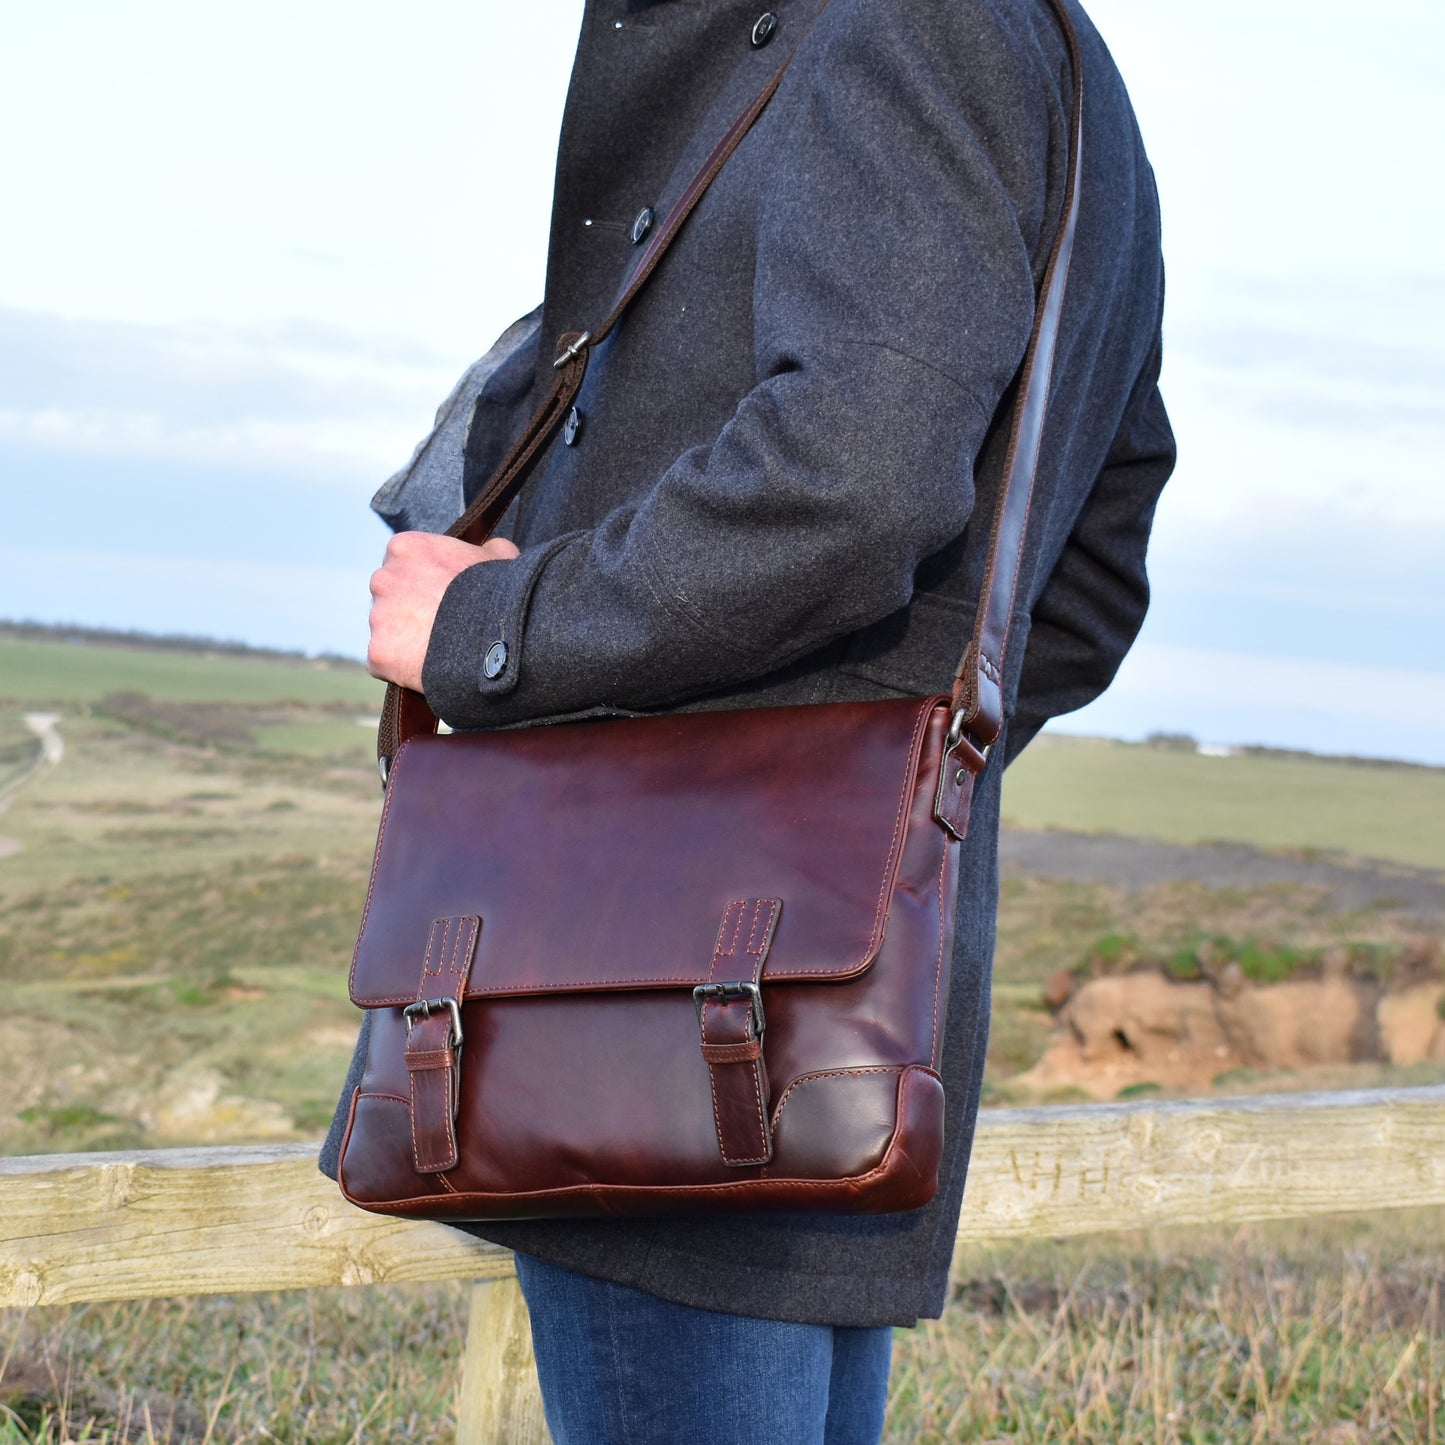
{"points": [[77, 1227]]}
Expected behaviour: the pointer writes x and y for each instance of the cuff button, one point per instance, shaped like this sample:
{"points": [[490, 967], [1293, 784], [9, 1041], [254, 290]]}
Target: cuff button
{"points": [[495, 660]]}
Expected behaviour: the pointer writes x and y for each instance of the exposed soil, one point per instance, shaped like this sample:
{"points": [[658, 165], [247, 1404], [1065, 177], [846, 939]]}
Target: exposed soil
{"points": [[1144, 1029]]}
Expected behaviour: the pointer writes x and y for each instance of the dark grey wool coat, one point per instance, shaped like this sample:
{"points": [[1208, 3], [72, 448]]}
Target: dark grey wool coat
{"points": [[782, 451]]}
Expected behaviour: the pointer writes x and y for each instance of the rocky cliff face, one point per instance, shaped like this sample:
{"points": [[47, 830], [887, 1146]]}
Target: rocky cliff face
{"points": [[1139, 1028]]}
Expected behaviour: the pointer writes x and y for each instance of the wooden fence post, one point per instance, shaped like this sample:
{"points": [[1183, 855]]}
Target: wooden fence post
{"points": [[499, 1402]]}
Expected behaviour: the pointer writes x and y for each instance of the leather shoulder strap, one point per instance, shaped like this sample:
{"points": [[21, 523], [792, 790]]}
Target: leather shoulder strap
{"points": [[978, 688], [978, 682]]}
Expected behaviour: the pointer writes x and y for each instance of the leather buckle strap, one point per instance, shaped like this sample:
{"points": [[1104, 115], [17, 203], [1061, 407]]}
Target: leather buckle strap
{"points": [[963, 761], [731, 1023], [434, 1042], [731, 993]]}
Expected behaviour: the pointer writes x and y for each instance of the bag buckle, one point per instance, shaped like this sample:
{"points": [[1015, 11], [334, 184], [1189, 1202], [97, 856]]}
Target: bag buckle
{"points": [[575, 349], [973, 757], [729, 993], [424, 1008]]}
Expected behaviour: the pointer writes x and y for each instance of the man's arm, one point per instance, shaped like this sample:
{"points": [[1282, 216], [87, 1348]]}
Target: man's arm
{"points": [[881, 351]]}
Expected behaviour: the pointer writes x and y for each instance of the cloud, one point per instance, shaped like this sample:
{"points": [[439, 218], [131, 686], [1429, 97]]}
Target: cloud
{"points": [[1316, 398], [314, 400], [1349, 706]]}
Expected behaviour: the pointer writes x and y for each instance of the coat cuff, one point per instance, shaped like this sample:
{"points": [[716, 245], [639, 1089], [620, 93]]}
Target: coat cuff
{"points": [[475, 654]]}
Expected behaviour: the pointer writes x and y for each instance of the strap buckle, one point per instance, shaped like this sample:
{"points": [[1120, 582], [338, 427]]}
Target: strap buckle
{"points": [[573, 350], [424, 1008], [973, 757], [729, 993]]}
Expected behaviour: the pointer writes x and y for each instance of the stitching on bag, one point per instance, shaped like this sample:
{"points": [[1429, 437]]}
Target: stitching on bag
{"points": [[744, 1053], [395, 1098], [466, 929], [716, 1114], [594, 985], [756, 1072], [734, 910], [429, 1059], [717, 952], [938, 970], [889, 870], [451, 1136], [890, 866], [375, 869], [756, 945], [762, 1123], [835, 1074], [415, 1157], [757, 1068], [426, 968], [681, 1191]]}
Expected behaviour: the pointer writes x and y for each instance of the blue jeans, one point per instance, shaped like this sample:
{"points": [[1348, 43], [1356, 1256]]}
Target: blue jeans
{"points": [[620, 1367]]}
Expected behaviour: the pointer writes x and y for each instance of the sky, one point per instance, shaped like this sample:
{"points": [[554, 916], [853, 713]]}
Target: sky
{"points": [[247, 252]]}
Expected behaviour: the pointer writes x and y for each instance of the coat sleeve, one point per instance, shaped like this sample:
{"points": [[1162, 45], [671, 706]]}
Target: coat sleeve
{"points": [[1090, 609], [892, 300]]}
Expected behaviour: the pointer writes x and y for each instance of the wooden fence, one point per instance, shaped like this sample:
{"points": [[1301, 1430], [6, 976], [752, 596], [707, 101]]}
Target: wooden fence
{"points": [[83, 1227]]}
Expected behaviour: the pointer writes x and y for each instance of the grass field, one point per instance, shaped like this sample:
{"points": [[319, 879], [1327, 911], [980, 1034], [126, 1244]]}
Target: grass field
{"points": [[1270, 800], [36, 672], [1324, 1333], [193, 870], [178, 898]]}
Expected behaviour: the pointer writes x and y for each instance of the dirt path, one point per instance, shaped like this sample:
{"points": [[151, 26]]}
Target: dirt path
{"points": [[1138, 863], [51, 750], [43, 725]]}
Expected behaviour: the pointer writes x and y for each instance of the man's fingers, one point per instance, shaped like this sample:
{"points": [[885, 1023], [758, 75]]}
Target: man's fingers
{"points": [[406, 591], [498, 549]]}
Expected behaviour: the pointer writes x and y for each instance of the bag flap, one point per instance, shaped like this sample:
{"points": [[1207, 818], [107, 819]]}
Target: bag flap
{"points": [[601, 855]]}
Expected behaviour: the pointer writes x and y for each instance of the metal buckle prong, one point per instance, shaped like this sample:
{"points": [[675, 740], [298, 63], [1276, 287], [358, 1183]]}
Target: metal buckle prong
{"points": [[572, 351], [958, 738], [424, 1008], [728, 993]]}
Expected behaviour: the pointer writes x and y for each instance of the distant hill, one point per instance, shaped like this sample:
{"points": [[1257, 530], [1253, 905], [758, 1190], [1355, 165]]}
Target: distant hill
{"points": [[60, 666], [76, 635], [1266, 797]]}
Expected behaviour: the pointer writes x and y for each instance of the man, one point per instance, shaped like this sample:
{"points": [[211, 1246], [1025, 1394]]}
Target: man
{"points": [[766, 494]]}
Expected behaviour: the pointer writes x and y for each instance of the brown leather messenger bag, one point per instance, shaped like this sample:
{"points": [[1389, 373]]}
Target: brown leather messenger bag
{"points": [[682, 963]]}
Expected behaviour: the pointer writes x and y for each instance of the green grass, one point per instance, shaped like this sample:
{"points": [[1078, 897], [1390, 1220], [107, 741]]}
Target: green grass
{"points": [[177, 928], [1319, 1331], [174, 939], [191, 892], [60, 672], [1284, 802]]}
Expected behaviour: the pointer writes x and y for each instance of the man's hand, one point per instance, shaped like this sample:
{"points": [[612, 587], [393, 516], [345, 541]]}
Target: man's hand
{"points": [[407, 590]]}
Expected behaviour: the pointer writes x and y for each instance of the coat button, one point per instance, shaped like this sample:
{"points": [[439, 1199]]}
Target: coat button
{"points": [[495, 660], [571, 427], [763, 28], [641, 225]]}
